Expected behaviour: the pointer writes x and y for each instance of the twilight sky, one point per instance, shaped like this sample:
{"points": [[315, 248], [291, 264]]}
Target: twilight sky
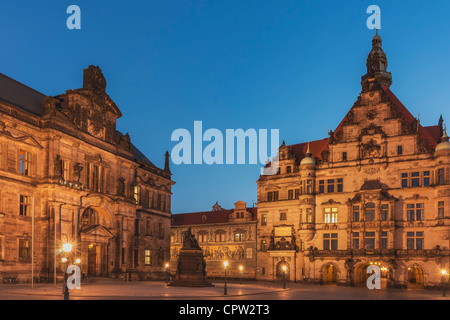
{"points": [[292, 65]]}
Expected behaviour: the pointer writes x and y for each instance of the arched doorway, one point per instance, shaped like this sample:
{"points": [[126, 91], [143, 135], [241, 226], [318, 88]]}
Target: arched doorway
{"points": [[415, 277], [329, 274], [95, 244], [282, 272], [361, 274]]}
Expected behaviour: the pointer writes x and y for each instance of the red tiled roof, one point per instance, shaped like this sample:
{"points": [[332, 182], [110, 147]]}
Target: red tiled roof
{"points": [[435, 132], [408, 117], [212, 217], [316, 147]]}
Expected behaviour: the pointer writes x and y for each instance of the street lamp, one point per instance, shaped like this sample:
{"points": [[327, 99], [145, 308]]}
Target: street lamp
{"points": [[225, 265], [444, 276], [166, 266], [284, 276], [67, 248], [240, 273]]}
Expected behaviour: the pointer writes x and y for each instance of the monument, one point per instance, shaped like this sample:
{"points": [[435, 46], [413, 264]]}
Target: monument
{"points": [[191, 266]]}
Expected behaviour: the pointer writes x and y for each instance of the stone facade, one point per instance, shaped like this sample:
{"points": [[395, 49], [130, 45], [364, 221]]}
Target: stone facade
{"points": [[224, 235], [375, 192], [67, 175]]}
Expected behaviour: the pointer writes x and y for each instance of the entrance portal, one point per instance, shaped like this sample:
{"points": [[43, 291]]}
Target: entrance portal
{"points": [[281, 272], [329, 274], [415, 277]]}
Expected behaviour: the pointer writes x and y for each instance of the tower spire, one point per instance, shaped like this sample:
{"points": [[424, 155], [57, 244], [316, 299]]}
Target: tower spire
{"points": [[377, 76]]}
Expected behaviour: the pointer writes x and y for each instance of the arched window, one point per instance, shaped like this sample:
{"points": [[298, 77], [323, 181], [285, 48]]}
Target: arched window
{"points": [[370, 212], [90, 217]]}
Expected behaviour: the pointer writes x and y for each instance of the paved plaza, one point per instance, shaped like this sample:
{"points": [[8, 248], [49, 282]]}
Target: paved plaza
{"points": [[115, 290]]}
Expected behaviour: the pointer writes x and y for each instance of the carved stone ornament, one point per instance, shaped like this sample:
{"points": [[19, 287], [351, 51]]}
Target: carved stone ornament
{"points": [[371, 171], [77, 169], [417, 196], [94, 79], [331, 202], [371, 115], [371, 149]]}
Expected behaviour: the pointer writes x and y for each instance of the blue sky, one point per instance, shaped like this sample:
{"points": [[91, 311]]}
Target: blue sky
{"points": [[290, 65]]}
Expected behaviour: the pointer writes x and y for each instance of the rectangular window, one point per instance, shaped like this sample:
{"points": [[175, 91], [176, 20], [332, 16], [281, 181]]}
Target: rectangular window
{"points": [[148, 257], [239, 236], [414, 241], [24, 250], [137, 194], [136, 227], [25, 163], [340, 185], [344, 156], [441, 210], [355, 240], [272, 196], [283, 216], [24, 206], [330, 186], [290, 194], [330, 215], [385, 212], [330, 241], [415, 179], [426, 178], [399, 150], [65, 170], [404, 180], [355, 213], [308, 186], [440, 176], [370, 240], [148, 228], [161, 230], [384, 240], [309, 215], [415, 211], [288, 169], [321, 186], [297, 193]]}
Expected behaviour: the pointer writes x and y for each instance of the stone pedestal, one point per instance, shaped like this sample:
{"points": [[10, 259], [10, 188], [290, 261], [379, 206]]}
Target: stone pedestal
{"points": [[191, 266]]}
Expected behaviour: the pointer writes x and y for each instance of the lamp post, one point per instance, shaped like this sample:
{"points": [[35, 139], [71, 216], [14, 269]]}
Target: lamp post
{"points": [[67, 248], [284, 277], [167, 271], [444, 276], [225, 265], [241, 268]]}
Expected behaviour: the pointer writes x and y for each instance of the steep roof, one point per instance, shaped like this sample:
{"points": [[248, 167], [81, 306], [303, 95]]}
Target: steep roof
{"points": [[20, 95], [408, 117]]}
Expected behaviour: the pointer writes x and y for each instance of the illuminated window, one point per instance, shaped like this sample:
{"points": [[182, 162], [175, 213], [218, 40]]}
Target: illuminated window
{"points": [[263, 245], [148, 257], [330, 215], [239, 236], [137, 194], [65, 170]]}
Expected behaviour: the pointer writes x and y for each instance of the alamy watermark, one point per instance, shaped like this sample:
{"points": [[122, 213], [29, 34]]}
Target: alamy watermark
{"points": [[374, 21], [235, 142], [374, 280], [74, 278]]}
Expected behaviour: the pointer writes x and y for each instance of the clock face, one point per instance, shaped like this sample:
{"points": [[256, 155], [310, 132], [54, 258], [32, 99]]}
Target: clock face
{"points": [[371, 114]]}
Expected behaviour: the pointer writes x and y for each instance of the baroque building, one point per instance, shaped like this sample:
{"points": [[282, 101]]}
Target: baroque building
{"points": [[224, 235], [68, 176], [375, 192]]}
